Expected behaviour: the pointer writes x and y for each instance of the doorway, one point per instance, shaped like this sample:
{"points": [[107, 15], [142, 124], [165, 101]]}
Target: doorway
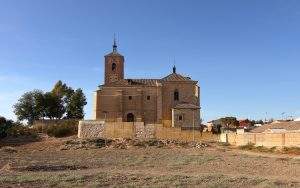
{"points": [[130, 117]]}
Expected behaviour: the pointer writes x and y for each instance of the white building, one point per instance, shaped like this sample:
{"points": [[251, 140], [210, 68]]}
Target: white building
{"points": [[297, 119]]}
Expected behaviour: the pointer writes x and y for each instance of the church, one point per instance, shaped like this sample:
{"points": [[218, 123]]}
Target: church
{"points": [[173, 100]]}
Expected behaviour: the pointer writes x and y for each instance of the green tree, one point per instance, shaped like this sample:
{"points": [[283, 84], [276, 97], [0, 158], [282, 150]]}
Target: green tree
{"points": [[4, 126], [54, 106], [40, 104], [30, 106], [229, 123], [35, 105], [76, 104], [63, 91], [2, 120]]}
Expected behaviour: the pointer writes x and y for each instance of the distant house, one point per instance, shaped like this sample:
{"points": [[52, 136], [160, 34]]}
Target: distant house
{"points": [[244, 123], [279, 127], [209, 126], [280, 121]]}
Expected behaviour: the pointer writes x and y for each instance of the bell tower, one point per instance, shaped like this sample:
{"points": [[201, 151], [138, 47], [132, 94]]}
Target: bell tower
{"points": [[114, 65]]}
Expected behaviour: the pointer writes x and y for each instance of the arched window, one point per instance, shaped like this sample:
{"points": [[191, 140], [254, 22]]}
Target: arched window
{"points": [[180, 118], [176, 95], [113, 67]]}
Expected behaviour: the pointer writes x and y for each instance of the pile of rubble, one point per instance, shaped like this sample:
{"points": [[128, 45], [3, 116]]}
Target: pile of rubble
{"points": [[9, 167], [86, 144], [127, 143], [8, 149]]}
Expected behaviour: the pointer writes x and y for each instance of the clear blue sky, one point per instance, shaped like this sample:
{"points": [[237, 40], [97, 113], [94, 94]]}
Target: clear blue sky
{"points": [[245, 54]]}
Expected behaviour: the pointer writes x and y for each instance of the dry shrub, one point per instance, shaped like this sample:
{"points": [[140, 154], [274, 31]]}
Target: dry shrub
{"points": [[291, 150], [249, 146], [8, 149], [252, 147], [18, 131], [59, 128], [265, 149]]}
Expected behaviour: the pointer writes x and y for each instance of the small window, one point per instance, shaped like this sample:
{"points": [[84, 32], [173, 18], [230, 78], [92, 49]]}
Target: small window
{"points": [[130, 97], [148, 97], [176, 95], [113, 67], [180, 118]]}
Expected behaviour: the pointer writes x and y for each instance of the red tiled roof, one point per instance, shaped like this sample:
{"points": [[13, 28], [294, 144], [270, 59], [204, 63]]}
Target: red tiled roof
{"points": [[133, 82], [114, 54], [148, 82], [176, 77]]}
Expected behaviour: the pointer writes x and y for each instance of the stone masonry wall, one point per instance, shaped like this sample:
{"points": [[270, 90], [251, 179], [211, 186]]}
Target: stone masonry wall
{"points": [[90, 129], [145, 131], [139, 130]]}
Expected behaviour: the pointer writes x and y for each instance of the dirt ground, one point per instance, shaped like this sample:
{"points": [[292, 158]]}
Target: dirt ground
{"points": [[65, 163]]}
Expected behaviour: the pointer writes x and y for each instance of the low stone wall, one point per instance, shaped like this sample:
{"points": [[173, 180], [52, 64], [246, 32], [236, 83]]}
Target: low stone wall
{"points": [[98, 129], [101, 129], [90, 129], [184, 135], [288, 139], [145, 131], [120, 129]]}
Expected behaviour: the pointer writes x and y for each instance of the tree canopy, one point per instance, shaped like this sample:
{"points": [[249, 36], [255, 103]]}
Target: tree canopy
{"points": [[61, 102], [5, 124], [75, 105], [229, 122], [30, 106]]}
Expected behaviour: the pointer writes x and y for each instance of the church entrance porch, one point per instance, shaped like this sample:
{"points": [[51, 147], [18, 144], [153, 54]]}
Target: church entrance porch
{"points": [[130, 117]]}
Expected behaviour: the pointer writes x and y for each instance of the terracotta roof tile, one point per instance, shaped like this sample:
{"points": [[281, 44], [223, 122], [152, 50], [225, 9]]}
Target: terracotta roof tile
{"points": [[176, 77], [114, 54], [134, 82], [148, 82]]}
